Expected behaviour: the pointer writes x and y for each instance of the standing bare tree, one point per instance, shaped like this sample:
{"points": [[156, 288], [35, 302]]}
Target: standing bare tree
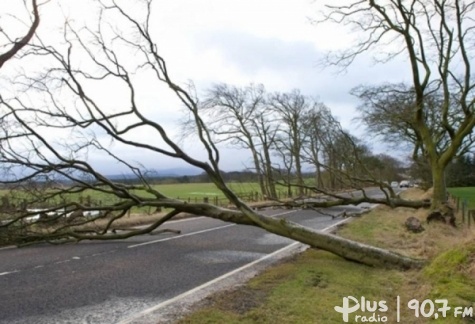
{"points": [[266, 130], [436, 37], [319, 124], [239, 116], [292, 109]]}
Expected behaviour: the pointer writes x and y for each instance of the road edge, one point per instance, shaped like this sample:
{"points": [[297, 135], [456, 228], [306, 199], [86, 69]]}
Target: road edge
{"points": [[172, 309]]}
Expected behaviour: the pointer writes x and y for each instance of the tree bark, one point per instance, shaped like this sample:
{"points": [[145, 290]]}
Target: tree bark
{"points": [[439, 195], [272, 193], [342, 247], [260, 175]]}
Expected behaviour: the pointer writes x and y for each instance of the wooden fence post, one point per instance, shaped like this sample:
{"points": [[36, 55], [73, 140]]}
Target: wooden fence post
{"points": [[463, 217], [469, 214], [464, 203]]}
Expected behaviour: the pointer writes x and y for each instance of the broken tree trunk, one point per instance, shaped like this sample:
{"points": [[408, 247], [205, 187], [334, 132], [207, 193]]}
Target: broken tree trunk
{"points": [[348, 249]]}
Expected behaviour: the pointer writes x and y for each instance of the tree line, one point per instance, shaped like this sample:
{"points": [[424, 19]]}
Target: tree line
{"points": [[291, 137]]}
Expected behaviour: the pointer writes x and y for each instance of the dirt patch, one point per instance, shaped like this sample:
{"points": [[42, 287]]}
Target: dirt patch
{"points": [[239, 301]]}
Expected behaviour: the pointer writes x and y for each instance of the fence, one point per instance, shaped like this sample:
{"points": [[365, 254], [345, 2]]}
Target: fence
{"points": [[461, 205], [246, 197], [11, 203]]}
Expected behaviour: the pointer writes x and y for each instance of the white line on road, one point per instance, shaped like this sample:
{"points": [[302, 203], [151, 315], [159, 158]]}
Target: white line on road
{"points": [[197, 232], [209, 283], [184, 220], [215, 280], [180, 236], [8, 272]]}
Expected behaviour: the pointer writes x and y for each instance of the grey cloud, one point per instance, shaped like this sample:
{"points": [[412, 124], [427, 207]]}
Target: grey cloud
{"points": [[251, 53], [297, 63]]}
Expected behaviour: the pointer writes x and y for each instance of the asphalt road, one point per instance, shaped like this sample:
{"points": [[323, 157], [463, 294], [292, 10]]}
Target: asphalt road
{"points": [[107, 282]]}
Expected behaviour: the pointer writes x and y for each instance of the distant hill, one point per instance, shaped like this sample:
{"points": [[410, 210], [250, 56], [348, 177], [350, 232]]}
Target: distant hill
{"points": [[165, 173]]}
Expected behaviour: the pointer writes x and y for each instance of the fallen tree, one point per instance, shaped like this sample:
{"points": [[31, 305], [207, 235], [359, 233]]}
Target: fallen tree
{"points": [[61, 97]]}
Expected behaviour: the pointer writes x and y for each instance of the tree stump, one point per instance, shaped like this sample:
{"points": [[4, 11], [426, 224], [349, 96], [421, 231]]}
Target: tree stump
{"points": [[443, 215]]}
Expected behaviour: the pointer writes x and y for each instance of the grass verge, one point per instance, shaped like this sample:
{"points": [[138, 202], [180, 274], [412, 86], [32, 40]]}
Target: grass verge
{"points": [[305, 288]]}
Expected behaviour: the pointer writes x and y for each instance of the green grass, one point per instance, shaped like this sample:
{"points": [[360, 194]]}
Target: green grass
{"points": [[303, 291], [452, 274], [465, 193], [306, 288], [193, 192], [201, 190]]}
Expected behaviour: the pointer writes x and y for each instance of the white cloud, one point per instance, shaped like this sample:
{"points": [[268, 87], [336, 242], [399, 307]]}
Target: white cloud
{"points": [[237, 42]]}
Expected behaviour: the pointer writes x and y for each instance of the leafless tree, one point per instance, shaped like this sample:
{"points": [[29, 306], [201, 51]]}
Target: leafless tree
{"points": [[65, 108], [292, 109], [267, 129], [239, 116], [312, 150], [436, 37]]}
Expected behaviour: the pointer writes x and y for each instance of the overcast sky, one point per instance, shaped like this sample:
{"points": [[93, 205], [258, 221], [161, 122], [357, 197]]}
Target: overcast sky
{"points": [[247, 41]]}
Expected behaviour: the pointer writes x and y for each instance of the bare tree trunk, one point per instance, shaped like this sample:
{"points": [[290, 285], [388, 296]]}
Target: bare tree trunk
{"points": [[272, 193], [342, 247], [298, 173], [347, 249], [260, 176], [439, 195]]}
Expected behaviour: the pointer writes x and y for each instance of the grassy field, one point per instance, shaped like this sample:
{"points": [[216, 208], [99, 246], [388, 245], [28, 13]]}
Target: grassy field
{"points": [[200, 190], [192, 192], [305, 288], [465, 193]]}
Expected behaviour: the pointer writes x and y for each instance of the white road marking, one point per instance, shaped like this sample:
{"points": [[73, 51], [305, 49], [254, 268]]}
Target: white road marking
{"points": [[209, 283], [215, 280], [184, 220], [326, 229], [180, 236], [8, 272], [197, 232]]}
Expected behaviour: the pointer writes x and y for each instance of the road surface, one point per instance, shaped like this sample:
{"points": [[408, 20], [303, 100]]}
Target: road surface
{"points": [[109, 282]]}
